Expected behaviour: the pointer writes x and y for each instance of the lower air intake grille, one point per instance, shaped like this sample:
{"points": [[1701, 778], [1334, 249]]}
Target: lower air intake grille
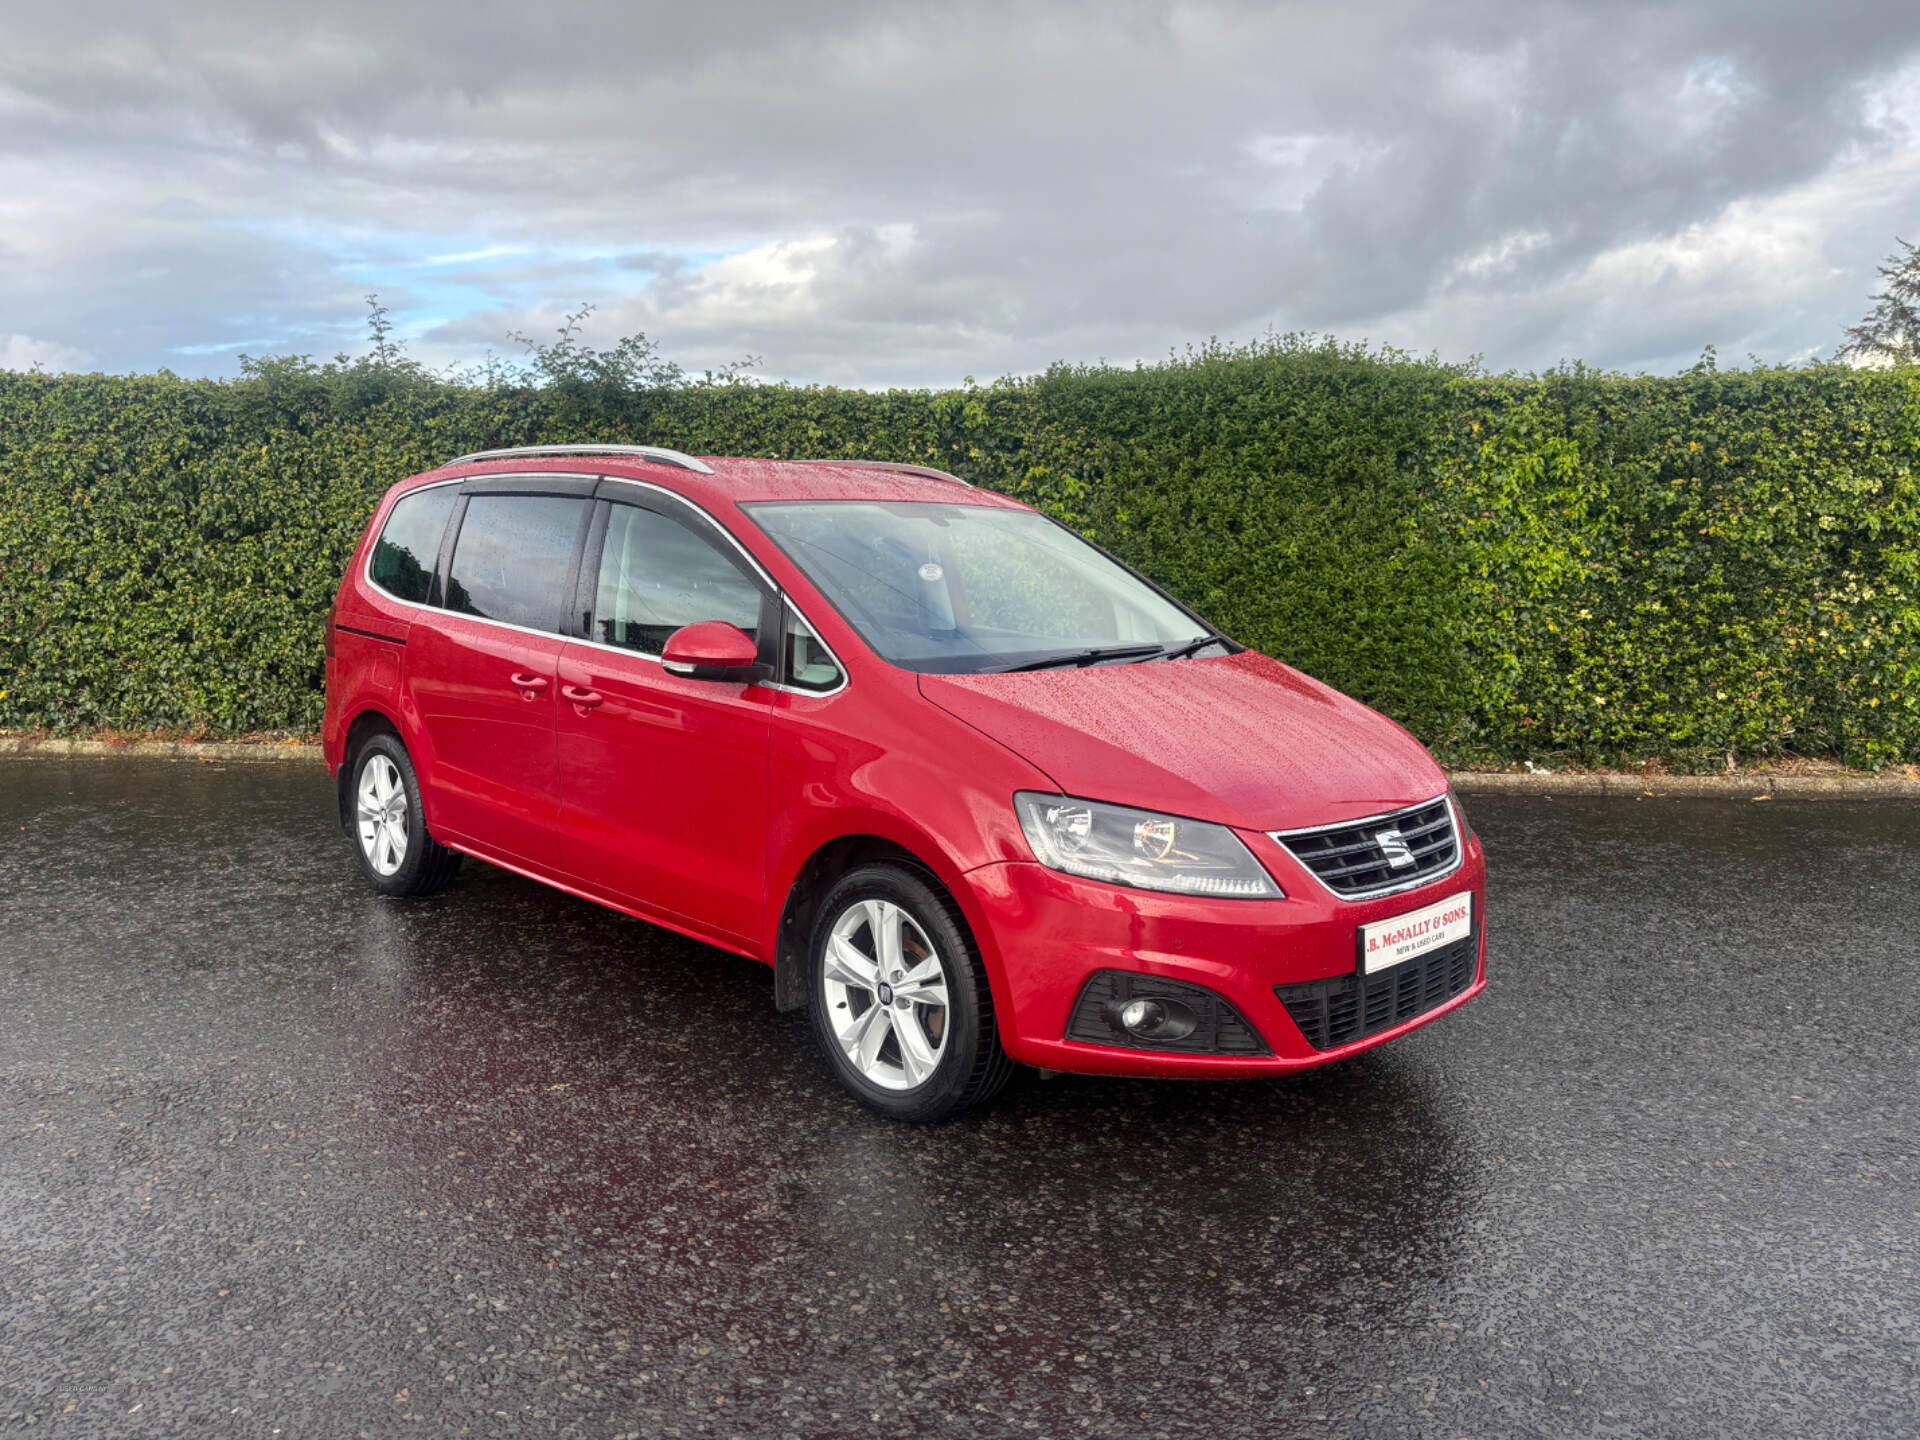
{"points": [[1218, 1030], [1336, 1012]]}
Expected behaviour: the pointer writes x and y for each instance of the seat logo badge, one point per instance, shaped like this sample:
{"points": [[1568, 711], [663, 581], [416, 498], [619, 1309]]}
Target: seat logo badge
{"points": [[1393, 845]]}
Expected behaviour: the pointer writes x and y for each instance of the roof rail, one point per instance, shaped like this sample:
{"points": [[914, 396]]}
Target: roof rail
{"points": [[637, 452], [925, 472]]}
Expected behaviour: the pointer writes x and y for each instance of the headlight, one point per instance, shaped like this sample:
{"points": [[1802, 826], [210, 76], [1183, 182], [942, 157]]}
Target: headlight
{"points": [[1139, 847]]}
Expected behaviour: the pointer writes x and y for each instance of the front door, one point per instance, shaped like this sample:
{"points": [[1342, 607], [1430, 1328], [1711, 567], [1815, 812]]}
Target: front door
{"points": [[483, 672], [663, 778]]}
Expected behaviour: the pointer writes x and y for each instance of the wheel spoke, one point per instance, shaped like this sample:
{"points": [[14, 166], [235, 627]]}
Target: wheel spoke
{"points": [[886, 921], [879, 1025], [850, 1029], [862, 1036], [916, 1055], [847, 966], [925, 984], [928, 969]]}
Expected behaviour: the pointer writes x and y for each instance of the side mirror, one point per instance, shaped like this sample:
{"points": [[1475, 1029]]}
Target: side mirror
{"points": [[711, 650]]}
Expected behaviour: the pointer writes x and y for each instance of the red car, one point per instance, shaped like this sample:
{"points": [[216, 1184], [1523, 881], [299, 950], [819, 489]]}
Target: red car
{"points": [[976, 791]]}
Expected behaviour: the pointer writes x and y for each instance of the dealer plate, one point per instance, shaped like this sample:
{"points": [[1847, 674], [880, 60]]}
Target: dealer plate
{"points": [[1387, 943]]}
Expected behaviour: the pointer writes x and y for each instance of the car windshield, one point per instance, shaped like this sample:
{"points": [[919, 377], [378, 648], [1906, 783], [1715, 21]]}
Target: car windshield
{"points": [[964, 589]]}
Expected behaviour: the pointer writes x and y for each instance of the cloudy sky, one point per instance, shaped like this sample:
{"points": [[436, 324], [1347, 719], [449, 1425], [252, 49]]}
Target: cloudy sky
{"points": [[874, 194]]}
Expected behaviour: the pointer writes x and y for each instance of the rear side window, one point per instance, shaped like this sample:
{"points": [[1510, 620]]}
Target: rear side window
{"points": [[409, 543], [657, 574], [510, 562]]}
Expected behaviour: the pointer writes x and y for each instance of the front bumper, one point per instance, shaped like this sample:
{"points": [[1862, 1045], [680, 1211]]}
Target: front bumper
{"points": [[1046, 934]]}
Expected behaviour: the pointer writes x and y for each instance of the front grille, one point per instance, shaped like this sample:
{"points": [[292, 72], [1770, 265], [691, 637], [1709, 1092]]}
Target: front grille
{"points": [[1346, 1008], [1353, 861], [1220, 1030]]}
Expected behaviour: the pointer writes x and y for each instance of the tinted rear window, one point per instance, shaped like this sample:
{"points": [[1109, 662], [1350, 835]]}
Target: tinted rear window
{"points": [[403, 556], [510, 562]]}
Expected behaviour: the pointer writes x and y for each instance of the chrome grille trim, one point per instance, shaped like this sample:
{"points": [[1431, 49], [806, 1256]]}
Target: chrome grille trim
{"points": [[1424, 839]]}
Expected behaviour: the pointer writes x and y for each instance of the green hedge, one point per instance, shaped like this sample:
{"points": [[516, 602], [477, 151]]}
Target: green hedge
{"points": [[1698, 566], [1579, 564]]}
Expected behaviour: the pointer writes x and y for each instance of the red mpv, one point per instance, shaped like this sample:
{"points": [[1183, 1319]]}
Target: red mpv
{"points": [[977, 792]]}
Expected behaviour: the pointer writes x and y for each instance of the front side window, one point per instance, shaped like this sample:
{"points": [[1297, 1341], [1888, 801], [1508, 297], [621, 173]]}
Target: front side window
{"points": [[510, 562], [657, 574], [964, 589], [409, 542], [810, 665]]}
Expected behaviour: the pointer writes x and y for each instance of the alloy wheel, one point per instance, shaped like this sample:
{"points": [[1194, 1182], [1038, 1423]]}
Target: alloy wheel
{"points": [[886, 993], [382, 814]]}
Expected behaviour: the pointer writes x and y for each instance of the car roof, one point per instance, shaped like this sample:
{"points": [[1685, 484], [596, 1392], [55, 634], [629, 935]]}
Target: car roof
{"points": [[744, 481]]}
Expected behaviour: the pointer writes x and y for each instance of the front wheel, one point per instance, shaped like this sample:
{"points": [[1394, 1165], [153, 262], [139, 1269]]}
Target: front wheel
{"points": [[900, 1000], [389, 828]]}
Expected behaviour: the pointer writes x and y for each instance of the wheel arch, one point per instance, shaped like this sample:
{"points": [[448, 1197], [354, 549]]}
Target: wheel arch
{"points": [[371, 718], [815, 876]]}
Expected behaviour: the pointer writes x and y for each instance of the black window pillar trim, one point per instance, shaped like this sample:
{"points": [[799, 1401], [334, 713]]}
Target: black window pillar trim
{"points": [[583, 580], [443, 562]]}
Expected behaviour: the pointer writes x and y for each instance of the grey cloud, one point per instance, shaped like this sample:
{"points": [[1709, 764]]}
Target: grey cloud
{"points": [[653, 262], [913, 193]]}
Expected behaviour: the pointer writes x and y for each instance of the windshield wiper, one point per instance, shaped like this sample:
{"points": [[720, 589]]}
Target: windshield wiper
{"points": [[1180, 652], [1080, 657]]}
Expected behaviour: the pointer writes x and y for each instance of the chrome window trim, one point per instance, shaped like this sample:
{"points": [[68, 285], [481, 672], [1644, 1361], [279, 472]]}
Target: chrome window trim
{"points": [[786, 603], [1280, 838], [783, 598], [704, 514]]}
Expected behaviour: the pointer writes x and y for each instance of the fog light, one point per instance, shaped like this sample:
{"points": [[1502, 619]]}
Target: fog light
{"points": [[1137, 1011], [1147, 1018]]}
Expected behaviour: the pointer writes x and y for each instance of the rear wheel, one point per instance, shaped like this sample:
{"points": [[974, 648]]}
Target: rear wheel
{"points": [[388, 825], [900, 1000]]}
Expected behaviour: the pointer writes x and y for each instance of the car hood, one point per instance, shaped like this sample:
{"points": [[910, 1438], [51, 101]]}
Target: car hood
{"points": [[1238, 739]]}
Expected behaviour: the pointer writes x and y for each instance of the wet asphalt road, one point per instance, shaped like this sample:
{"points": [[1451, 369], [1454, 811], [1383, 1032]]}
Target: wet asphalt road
{"points": [[278, 1157]]}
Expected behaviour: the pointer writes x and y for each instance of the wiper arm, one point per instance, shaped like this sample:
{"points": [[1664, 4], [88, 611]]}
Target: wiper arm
{"points": [[1080, 657], [1180, 652]]}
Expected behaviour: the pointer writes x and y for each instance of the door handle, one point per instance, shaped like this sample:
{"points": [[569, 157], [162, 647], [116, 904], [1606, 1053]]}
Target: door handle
{"points": [[528, 685], [582, 698]]}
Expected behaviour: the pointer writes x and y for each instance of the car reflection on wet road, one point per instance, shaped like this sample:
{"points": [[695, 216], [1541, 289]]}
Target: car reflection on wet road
{"points": [[280, 1157]]}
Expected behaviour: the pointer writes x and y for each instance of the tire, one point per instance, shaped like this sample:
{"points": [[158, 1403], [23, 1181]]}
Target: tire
{"points": [[930, 1052], [387, 825]]}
